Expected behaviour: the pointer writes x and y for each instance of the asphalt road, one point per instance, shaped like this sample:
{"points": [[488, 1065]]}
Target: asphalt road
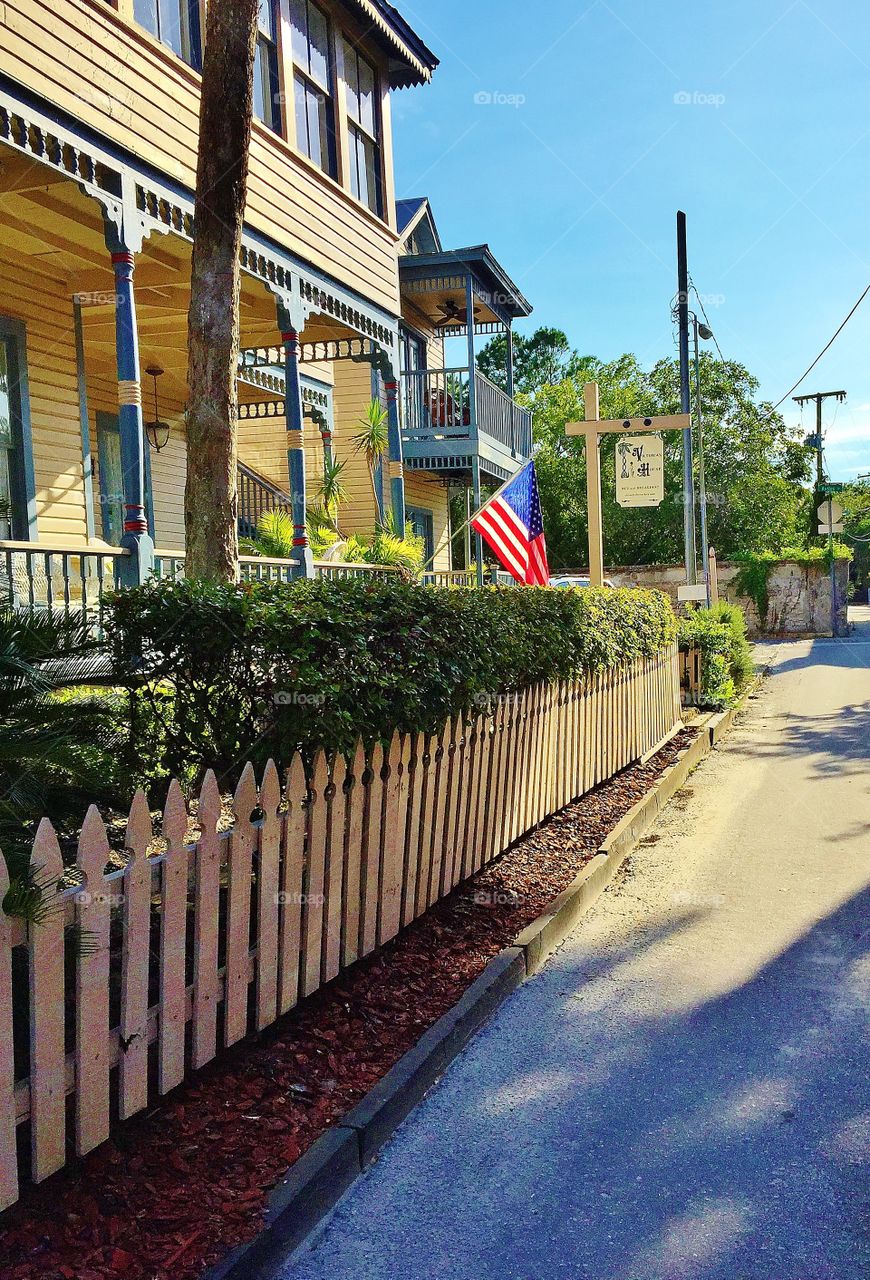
{"points": [[682, 1092]]}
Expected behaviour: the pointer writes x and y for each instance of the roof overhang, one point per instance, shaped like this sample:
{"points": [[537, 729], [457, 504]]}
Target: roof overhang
{"points": [[411, 60], [446, 273]]}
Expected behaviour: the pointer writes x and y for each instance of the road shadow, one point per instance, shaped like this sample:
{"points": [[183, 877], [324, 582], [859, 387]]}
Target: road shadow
{"points": [[586, 1134]]}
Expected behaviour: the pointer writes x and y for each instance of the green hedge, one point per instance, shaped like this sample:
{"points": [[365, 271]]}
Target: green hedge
{"points": [[726, 656], [220, 674]]}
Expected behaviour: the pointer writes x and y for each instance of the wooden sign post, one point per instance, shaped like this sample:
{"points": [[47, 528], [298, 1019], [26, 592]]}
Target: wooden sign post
{"points": [[592, 429]]}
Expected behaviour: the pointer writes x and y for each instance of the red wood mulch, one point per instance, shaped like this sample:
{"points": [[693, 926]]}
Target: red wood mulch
{"points": [[178, 1187]]}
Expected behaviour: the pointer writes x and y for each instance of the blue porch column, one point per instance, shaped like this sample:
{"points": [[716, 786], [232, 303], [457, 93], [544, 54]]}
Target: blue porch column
{"points": [[296, 452], [135, 568], [396, 463], [472, 405]]}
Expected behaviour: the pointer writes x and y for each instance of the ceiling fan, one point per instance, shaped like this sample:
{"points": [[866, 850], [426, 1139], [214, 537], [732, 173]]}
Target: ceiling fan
{"points": [[453, 315]]}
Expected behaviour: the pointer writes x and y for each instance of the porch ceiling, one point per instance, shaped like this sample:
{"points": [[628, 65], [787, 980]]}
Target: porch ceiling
{"points": [[45, 217], [436, 283]]}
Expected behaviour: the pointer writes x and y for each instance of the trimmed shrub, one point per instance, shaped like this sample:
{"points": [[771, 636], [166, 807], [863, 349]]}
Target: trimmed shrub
{"points": [[726, 655], [223, 674]]}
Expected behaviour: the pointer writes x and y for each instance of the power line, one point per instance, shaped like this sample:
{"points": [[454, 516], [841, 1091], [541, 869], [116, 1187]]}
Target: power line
{"points": [[824, 349], [706, 318]]}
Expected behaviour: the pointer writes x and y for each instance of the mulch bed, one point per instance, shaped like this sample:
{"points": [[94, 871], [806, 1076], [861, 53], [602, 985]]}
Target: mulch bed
{"points": [[178, 1187]]}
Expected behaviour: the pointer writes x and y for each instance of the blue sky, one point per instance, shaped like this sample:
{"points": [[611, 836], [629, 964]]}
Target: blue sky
{"points": [[566, 134]]}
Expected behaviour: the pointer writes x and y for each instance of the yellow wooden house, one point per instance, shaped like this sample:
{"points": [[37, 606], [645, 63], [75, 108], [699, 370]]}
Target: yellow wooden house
{"points": [[345, 294]]}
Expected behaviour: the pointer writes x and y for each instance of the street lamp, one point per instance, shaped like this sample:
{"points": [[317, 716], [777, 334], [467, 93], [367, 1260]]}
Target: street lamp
{"points": [[702, 331]]}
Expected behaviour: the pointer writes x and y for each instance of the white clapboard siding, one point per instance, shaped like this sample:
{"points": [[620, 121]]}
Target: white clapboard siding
{"points": [[335, 864]]}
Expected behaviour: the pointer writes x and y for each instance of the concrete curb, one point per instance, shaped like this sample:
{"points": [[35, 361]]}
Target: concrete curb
{"points": [[319, 1179]]}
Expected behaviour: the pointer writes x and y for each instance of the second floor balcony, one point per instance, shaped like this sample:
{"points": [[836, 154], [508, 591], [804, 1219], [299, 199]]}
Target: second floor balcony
{"points": [[456, 421], [453, 415]]}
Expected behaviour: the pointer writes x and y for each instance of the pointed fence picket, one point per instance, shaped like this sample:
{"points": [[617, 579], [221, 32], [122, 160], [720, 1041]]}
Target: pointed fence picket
{"points": [[310, 877]]}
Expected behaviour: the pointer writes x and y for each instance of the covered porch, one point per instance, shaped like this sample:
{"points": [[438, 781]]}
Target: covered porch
{"points": [[94, 273]]}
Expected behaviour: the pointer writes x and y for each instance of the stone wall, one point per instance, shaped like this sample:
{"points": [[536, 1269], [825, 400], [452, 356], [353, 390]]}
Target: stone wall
{"points": [[799, 594]]}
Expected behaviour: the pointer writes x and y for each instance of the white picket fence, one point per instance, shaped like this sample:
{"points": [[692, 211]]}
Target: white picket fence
{"points": [[250, 920]]}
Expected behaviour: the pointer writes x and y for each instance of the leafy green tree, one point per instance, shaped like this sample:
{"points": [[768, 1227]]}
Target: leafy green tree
{"points": [[855, 502], [755, 467], [540, 360]]}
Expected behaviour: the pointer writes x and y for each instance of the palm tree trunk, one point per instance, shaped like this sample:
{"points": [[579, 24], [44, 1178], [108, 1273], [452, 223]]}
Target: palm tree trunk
{"points": [[211, 535]]}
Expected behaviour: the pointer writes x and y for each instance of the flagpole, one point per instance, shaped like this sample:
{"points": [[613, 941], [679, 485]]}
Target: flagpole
{"points": [[454, 533]]}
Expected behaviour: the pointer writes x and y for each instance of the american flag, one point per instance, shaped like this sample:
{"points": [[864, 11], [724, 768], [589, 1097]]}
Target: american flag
{"points": [[512, 524]]}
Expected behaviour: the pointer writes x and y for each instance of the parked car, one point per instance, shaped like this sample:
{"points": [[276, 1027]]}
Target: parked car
{"points": [[575, 580]]}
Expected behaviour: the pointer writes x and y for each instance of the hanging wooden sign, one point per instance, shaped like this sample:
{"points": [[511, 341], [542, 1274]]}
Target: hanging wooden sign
{"points": [[640, 471]]}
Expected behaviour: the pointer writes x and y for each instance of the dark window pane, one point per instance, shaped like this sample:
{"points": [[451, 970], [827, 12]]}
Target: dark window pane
{"points": [[318, 38], [364, 164], [299, 95], [174, 31], [145, 13], [299, 32], [351, 81], [260, 86], [266, 19], [173, 23], [366, 115]]}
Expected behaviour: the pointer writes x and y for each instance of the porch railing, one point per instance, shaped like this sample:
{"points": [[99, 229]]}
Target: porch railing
{"points": [[257, 495], [170, 564], [501, 418], [46, 577], [441, 404]]}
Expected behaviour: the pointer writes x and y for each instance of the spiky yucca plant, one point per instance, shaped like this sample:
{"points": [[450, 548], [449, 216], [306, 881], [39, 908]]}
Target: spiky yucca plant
{"points": [[373, 441]]}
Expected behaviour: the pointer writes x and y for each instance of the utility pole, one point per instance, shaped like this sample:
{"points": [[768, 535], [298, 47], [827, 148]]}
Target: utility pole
{"points": [[819, 397], [686, 401]]}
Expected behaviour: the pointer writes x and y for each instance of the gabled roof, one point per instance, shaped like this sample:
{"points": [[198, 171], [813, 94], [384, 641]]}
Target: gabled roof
{"points": [[414, 218], [411, 61]]}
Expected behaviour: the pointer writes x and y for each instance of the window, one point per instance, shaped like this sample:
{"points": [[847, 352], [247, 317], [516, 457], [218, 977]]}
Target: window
{"points": [[16, 467], [412, 351], [312, 84], [175, 23], [362, 121], [266, 87], [423, 526]]}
